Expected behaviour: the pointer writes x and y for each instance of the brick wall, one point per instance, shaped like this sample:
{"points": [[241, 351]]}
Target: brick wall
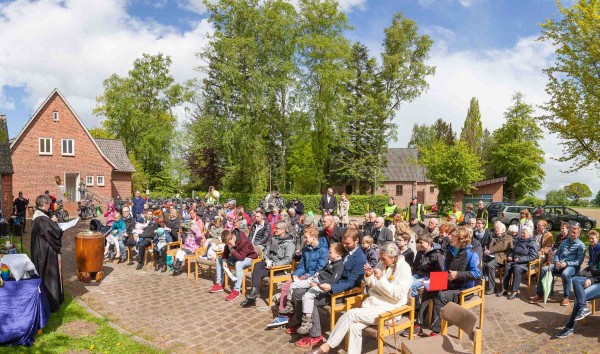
{"points": [[422, 191], [121, 184], [495, 189], [35, 173], [7, 194]]}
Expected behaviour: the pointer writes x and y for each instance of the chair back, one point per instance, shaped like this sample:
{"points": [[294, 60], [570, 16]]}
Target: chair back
{"points": [[461, 317]]}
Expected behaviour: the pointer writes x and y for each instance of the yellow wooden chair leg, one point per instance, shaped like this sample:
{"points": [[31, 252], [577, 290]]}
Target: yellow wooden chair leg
{"points": [[270, 293], [380, 343], [481, 316]]}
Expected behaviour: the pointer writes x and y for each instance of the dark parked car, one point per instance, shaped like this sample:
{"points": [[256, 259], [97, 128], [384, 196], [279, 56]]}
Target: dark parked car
{"points": [[496, 207], [556, 214]]}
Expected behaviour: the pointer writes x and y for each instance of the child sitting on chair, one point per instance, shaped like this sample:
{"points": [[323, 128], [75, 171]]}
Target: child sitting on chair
{"points": [[112, 238], [160, 250], [370, 251], [192, 239], [329, 275]]}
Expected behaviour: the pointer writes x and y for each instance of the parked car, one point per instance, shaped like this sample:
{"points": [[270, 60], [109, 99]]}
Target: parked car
{"points": [[510, 215], [495, 207], [556, 214]]}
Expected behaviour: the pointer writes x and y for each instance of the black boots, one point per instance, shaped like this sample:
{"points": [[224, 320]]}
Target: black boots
{"points": [[254, 293], [177, 267], [251, 298]]}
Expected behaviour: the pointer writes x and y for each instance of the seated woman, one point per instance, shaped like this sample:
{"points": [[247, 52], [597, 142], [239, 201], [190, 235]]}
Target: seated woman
{"points": [[462, 265], [215, 228], [524, 251], [388, 284], [586, 286], [495, 254], [114, 234], [279, 251], [314, 258]]}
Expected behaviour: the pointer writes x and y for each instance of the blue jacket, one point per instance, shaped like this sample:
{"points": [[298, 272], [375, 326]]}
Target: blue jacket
{"points": [[353, 272], [313, 258], [466, 263], [592, 252], [571, 253]]}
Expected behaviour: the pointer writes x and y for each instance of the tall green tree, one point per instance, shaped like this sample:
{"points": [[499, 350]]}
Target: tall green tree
{"points": [[451, 168], [323, 53], [516, 152], [138, 109], [422, 136], [577, 190], [472, 131], [557, 197], [574, 82], [444, 132], [596, 200]]}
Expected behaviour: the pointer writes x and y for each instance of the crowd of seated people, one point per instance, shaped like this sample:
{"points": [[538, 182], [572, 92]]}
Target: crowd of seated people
{"points": [[394, 262]]}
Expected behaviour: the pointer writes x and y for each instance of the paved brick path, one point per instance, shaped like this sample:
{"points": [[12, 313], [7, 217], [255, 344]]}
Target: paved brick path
{"points": [[179, 315]]}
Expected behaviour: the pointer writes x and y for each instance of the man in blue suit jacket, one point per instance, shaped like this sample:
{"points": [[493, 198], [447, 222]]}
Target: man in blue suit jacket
{"points": [[354, 262]]}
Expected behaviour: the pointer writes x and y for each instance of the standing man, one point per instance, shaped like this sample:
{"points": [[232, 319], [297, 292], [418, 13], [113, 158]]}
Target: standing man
{"points": [[482, 212], [328, 202], [82, 188], [389, 211], [138, 205], [46, 242], [414, 210], [20, 208]]}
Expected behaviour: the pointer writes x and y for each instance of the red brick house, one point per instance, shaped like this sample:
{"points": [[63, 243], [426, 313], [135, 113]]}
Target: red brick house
{"points": [[54, 150], [404, 178], [6, 170], [491, 190]]}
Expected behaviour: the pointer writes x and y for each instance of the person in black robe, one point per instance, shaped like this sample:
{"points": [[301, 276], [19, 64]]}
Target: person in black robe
{"points": [[46, 242]]}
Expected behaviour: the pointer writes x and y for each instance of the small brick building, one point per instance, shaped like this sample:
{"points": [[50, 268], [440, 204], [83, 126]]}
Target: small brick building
{"points": [[404, 178], [488, 191], [54, 150], [6, 170]]}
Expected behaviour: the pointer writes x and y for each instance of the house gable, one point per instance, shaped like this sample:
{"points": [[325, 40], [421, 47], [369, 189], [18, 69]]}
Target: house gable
{"points": [[35, 172], [57, 104]]}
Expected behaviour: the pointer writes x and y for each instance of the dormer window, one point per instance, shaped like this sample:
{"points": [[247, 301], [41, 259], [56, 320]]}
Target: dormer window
{"points": [[55, 116]]}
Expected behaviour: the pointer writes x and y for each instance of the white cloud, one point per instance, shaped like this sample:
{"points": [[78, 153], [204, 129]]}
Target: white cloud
{"points": [[74, 45], [492, 76], [463, 3], [198, 7]]}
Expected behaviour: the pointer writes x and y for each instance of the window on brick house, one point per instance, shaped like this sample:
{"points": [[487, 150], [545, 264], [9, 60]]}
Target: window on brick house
{"points": [[398, 189], [68, 147], [45, 146], [55, 116], [89, 180], [100, 180], [431, 189]]}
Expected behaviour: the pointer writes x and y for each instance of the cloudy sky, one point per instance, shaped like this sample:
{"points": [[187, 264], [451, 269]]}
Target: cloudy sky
{"points": [[483, 48]]}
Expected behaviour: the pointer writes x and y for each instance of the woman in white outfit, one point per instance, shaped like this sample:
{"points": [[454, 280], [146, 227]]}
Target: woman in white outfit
{"points": [[389, 285]]}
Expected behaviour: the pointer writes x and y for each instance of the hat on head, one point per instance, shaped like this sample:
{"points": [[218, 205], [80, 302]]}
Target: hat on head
{"points": [[160, 231], [413, 198], [309, 219]]}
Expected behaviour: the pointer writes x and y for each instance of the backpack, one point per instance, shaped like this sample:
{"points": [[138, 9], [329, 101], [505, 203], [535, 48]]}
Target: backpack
{"points": [[95, 225]]}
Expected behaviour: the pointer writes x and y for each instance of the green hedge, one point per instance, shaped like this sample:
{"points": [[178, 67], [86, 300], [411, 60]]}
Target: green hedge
{"points": [[359, 204]]}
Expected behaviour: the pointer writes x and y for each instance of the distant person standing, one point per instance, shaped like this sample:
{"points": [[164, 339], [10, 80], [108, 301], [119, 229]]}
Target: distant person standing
{"points": [[20, 208], [212, 197], [482, 212], [46, 243], [328, 202], [82, 188], [138, 204], [414, 210]]}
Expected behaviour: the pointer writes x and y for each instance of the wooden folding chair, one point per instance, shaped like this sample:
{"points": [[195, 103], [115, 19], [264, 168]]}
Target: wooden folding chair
{"points": [[337, 302], [388, 323], [477, 294], [277, 275]]}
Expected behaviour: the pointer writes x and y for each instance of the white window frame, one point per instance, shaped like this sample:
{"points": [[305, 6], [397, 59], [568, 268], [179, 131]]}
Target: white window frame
{"points": [[88, 179], [55, 116], [45, 153], [98, 183], [62, 142]]}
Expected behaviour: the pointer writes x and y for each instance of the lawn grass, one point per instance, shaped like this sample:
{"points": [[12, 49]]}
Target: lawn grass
{"points": [[105, 340]]}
